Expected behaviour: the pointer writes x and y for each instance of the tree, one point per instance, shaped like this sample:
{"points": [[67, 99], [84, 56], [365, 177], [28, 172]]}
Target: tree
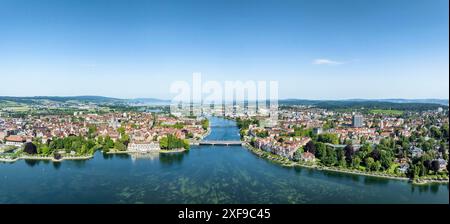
{"points": [[244, 123], [375, 154], [377, 165], [92, 130], [84, 150], [421, 169], [435, 166], [386, 158], [205, 124], [321, 150], [172, 142], [328, 138], [121, 130], [125, 139], [100, 140], [349, 151], [356, 161], [340, 153], [30, 148], [76, 145], [243, 132], [435, 132], [427, 164], [444, 131], [252, 141], [330, 158], [300, 131], [370, 163], [298, 154], [108, 143], [426, 146], [363, 140], [310, 147], [262, 134], [442, 147], [364, 151], [120, 146], [44, 150]]}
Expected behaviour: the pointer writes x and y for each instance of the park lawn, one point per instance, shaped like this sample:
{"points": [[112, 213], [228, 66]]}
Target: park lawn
{"points": [[386, 112]]}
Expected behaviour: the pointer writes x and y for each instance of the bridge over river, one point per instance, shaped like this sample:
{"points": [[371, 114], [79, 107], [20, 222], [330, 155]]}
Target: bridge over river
{"points": [[219, 142], [223, 126]]}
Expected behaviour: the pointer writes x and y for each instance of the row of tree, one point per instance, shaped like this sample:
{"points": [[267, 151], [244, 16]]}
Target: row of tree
{"points": [[77, 144], [172, 142], [379, 157], [205, 124]]}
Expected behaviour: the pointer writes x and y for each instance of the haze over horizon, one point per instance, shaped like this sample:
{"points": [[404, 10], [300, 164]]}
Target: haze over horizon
{"points": [[315, 49], [167, 99]]}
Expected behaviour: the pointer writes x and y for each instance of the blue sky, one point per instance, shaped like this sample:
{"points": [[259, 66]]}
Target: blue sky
{"points": [[322, 49]]}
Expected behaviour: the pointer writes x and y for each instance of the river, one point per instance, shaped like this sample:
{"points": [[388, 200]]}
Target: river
{"points": [[204, 174]]}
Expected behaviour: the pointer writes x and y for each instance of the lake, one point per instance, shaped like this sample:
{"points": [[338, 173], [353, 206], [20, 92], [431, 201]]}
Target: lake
{"points": [[204, 174]]}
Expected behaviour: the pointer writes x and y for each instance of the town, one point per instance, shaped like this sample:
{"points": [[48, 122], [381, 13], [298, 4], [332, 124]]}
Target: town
{"points": [[379, 142], [400, 143], [79, 135]]}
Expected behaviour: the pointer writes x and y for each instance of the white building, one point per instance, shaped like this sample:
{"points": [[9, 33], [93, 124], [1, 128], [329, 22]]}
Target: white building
{"points": [[144, 147]]}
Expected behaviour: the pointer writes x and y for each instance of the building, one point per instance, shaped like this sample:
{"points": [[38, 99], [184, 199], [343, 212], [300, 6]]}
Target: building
{"points": [[15, 140], [143, 147], [442, 164], [317, 131], [308, 157], [2, 135], [403, 168], [357, 121], [415, 151]]}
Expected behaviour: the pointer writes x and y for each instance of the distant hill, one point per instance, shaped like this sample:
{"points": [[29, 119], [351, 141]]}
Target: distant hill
{"points": [[145, 101], [397, 104], [60, 99], [82, 99], [400, 104], [435, 101]]}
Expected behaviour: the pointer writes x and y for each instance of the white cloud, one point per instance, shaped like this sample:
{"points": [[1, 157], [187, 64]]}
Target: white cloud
{"points": [[324, 61]]}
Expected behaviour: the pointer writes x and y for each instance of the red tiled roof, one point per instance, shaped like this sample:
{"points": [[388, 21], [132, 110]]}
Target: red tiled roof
{"points": [[15, 138]]}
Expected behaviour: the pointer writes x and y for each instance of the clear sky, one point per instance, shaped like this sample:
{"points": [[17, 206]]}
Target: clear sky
{"points": [[321, 49]]}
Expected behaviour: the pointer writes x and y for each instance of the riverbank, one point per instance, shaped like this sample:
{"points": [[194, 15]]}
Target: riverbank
{"points": [[155, 151], [49, 158], [425, 181], [173, 150], [208, 132], [288, 163]]}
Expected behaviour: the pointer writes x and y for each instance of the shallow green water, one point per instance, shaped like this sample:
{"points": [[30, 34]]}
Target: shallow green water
{"points": [[202, 175]]}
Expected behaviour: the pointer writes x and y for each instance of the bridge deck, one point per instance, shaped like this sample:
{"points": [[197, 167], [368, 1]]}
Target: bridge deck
{"points": [[223, 126], [227, 143]]}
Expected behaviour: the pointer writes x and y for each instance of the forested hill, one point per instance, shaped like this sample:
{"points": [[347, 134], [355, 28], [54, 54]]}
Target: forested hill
{"points": [[361, 104], [61, 99], [83, 99]]}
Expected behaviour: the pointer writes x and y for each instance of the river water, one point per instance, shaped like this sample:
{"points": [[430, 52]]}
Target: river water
{"points": [[205, 174]]}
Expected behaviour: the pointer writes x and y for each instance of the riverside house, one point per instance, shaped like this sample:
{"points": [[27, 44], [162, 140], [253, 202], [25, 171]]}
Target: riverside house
{"points": [[308, 157], [287, 148], [144, 147], [15, 140]]}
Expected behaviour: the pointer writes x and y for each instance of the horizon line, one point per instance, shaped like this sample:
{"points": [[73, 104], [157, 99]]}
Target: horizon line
{"points": [[162, 99]]}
